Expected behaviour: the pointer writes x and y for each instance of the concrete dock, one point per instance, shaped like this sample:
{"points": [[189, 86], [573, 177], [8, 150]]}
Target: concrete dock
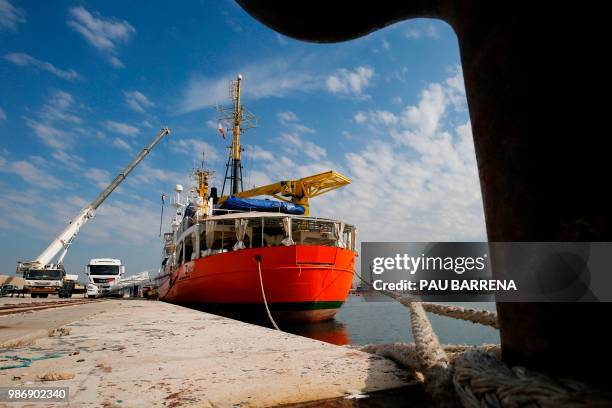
{"points": [[148, 353]]}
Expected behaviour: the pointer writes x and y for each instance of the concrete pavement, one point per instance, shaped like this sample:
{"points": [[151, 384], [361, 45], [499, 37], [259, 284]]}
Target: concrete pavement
{"points": [[148, 353]]}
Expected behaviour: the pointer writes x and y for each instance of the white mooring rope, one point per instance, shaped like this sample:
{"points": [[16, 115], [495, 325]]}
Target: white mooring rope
{"points": [[263, 294], [470, 376]]}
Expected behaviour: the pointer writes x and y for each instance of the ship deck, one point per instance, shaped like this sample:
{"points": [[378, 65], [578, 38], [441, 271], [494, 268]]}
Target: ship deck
{"points": [[149, 353]]}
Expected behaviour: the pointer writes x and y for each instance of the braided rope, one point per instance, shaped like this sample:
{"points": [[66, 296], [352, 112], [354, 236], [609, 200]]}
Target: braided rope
{"points": [[475, 376], [406, 355], [484, 317], [433, 361], [480, 379]]}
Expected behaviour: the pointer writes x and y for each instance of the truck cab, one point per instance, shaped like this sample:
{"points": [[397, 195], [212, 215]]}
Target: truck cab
{"points": [[102, 273], [43, 282]]}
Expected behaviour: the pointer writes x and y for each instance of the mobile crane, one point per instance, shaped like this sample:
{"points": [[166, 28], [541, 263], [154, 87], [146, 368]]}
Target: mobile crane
{"points": [[43, 275], [298, 191]]}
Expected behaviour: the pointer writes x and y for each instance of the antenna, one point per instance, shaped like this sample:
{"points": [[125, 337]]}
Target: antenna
{"points": [[236, 118]]}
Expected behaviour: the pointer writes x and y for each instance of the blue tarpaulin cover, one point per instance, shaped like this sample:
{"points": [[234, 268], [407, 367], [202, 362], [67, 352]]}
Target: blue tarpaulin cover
{"points": [[254, 204]]}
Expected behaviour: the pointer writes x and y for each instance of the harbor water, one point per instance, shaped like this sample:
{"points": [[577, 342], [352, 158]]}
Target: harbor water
{"points": [[363, 321]]}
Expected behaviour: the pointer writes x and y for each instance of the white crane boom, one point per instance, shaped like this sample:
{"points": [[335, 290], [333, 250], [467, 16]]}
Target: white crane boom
{"points": [[65, 238]]}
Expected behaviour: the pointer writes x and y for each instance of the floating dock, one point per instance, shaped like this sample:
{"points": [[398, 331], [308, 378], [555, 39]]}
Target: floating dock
{"points": [[148, 353]]}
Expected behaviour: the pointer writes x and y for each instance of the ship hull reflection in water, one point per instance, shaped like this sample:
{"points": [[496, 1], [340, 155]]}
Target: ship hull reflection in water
{"points": [[329, 331], [372, 320]]}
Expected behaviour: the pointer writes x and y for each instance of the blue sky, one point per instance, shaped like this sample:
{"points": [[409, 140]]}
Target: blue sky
{"points": [[86, 84]]}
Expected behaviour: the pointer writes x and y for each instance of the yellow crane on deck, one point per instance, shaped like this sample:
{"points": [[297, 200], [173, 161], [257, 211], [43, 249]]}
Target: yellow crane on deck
{"points": [[237, 119], [298, 191]]}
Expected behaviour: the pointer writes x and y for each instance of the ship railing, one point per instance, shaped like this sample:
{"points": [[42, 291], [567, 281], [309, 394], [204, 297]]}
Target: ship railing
{"points": [[236, 233], [272, 231]]}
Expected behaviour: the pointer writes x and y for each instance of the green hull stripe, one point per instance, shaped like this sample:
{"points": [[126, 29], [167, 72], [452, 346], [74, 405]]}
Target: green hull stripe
{"points": [[305, 305], [282, 306]]}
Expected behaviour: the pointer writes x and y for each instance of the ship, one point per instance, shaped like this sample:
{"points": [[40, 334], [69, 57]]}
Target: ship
{"points": [[245, 256]]}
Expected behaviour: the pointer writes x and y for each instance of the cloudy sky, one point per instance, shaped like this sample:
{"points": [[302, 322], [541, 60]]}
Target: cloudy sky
{"points": [[86, 84]]}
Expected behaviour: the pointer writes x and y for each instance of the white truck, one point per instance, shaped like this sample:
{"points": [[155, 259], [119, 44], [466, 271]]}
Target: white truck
{"points": [[102, 273], [42, 282], [46, 275]]}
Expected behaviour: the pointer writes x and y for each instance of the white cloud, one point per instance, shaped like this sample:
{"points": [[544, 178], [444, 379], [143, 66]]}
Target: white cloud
{"points": [[232, 22], [122, 144], [385, 45], [376, 118], [255, 152], [294, 144], [105, 34], [24, 60], [360, 117], [61, 155], [348, 135], [31, 174], [10, 16], [291, 120], [116, 62], [146, 174], [135, 223], [257, 178], [99, 176], [299, 158], [137, 101], [60, 108], [2, 114], [37, 160], [147, 124], [425, 117], [122, 128], [286, 117], [420, 183], [351, 83], [299, 128], [418, 30], [50, 135], [273, 78], [412, 32], [57, 122], [195, 148], [456, 88], [27, 200], [281, 39], [400, 75], [213, 124], [384, 117], [116, 221], [70, 161]]}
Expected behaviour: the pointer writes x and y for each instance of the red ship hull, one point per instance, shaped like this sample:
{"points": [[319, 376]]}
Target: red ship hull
{"points": [[305, 283]]}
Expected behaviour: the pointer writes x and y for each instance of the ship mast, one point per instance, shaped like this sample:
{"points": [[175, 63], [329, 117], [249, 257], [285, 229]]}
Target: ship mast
{"points": [[202, 201], [236, 119], [235, 153]]}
